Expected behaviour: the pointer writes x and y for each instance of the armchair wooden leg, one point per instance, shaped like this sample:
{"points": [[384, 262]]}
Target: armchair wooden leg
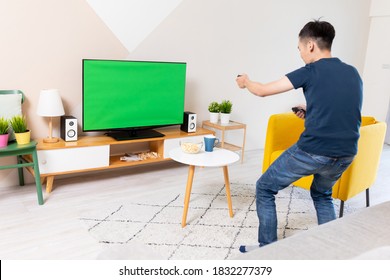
{"points": [[367, 197], [341, 208]]}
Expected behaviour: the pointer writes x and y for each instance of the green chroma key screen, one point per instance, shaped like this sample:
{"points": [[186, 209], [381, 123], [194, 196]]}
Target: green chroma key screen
{"points": [[120, 94]]}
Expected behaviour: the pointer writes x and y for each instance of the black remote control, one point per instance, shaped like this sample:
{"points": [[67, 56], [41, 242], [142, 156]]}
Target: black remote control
{"points": [[297, 109]]}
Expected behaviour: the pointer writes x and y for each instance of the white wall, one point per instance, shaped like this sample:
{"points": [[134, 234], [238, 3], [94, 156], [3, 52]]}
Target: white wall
{"points": [[377, 70], [377, 65], [380, 8], [221, 38], [132, 20]]}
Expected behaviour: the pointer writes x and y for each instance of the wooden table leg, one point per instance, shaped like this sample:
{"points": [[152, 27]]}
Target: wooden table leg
{"points": [[190, 178], [49, 184], [243, 146], [227, 187]]}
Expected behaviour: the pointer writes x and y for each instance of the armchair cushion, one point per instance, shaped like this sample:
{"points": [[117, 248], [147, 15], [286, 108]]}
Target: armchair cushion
{"points": [[282, 132]]}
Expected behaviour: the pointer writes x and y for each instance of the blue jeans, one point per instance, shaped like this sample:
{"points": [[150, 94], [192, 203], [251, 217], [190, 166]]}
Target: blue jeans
{"points": [[292, 165]]}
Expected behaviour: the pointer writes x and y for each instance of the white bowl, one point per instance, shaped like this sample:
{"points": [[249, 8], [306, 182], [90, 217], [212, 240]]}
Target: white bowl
{"points": [[191, 147]]}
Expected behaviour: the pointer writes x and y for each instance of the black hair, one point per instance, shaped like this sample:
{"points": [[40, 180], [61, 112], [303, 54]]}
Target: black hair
{"points": [[320, 31]]}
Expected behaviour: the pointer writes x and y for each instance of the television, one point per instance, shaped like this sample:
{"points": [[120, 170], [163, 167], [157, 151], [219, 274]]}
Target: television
{"points": [[127, 99]]}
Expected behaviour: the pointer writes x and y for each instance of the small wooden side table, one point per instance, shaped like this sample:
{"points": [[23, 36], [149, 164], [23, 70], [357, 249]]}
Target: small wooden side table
{"points": [[232, 125], [217, 158]]}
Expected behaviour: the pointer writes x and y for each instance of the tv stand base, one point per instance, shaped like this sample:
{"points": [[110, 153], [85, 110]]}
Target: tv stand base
{"points": [[134, 134]]}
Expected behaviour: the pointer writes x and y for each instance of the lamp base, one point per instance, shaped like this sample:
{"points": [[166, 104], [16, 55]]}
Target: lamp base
{"points": [[50, 140]]}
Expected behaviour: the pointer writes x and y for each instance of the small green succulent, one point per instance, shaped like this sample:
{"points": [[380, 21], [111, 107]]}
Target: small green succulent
{"points": [[214, 107], [19, 123], [4, 126], [226, 106]]}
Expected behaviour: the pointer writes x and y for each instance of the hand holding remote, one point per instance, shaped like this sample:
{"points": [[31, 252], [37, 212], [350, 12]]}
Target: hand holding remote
{"points": [[300, 112], [240, 80]]}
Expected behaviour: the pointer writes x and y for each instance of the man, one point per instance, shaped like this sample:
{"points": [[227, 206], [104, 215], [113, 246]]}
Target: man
{"points": [[333, 93]]}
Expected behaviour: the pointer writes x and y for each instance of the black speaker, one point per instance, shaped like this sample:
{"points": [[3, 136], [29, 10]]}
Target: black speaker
{"points": [[68, 128], [189, 122]]}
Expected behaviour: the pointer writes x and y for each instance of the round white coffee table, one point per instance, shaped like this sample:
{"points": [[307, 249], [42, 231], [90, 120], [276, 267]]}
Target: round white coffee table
{"points": [[217, 158]]}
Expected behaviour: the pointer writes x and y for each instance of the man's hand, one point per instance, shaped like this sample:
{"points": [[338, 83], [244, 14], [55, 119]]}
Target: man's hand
{"points": [[300, 111], [241, 80]]}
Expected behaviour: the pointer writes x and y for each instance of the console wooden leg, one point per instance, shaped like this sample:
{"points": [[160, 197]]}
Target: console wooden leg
{"points": [[49, 184], [190, 178], [227, 187]]}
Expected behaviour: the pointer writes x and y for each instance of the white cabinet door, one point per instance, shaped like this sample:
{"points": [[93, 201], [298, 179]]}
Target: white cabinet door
{"points": [[62, 160]]}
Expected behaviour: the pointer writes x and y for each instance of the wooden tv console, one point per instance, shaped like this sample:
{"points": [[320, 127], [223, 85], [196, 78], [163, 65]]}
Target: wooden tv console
{"points": [[91, 153]]}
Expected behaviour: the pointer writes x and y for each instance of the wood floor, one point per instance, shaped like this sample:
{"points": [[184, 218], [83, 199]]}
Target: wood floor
{"points": [[53, 231]]}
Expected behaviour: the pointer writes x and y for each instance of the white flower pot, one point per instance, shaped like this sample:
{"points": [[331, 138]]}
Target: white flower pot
{"points": [[214, 117], [225, 118]]}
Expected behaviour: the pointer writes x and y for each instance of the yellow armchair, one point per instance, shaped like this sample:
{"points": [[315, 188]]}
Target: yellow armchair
{"points": [[284, 130]]}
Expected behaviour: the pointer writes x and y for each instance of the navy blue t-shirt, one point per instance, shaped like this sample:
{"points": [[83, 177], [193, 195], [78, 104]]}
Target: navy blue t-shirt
{"points": [[333, 93]]}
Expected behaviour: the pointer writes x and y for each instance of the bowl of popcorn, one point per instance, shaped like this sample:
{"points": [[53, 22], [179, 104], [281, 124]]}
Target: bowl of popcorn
{"points": [[191, 147]]}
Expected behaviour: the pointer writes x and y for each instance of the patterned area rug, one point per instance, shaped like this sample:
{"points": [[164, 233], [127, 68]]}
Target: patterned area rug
{"points": [[149, 227]]}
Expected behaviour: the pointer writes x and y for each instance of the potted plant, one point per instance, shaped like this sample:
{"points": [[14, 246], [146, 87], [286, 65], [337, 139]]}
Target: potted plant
{"points": [[4, 126], [214, 111], [225, 109], [19, 126]]}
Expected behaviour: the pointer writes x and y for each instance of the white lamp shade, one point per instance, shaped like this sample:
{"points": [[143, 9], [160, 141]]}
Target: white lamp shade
{"points": [[50, 104]]}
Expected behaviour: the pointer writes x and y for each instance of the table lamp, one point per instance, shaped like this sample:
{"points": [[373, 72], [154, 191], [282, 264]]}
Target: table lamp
{"points": [[50, 105]]}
